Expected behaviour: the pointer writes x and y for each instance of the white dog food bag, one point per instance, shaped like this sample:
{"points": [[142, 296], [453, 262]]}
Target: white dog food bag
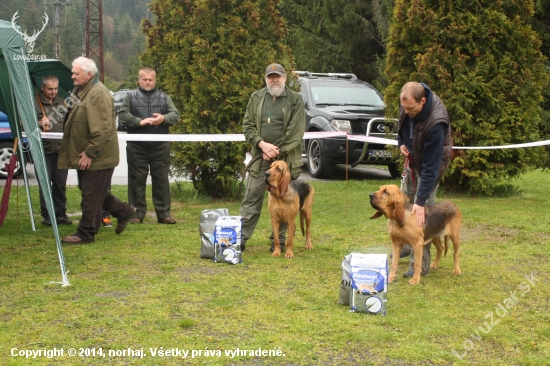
{"points": [[369, 283], [227, 240]]}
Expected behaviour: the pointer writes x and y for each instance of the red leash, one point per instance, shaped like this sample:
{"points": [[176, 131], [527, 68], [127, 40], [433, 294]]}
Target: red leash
{"points": [[406, 167], [7, 188]]}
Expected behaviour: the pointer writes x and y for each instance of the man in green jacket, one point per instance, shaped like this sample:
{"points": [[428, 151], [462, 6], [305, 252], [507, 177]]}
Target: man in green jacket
{"points": [[51, 112], [274, 125], [90, 145]]}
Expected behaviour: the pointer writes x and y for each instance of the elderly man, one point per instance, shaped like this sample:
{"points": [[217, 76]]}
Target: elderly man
{"points": [[90, 145], [424, 138], [51, 112], [274, 125], [147, 110]]}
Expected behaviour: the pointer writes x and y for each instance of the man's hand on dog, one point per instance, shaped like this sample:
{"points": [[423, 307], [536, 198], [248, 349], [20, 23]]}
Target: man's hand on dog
{"points": [[420, 214], [269, 151]]}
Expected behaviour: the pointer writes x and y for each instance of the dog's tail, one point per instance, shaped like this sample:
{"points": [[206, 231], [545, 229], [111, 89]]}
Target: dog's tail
{"points": [[446, 244], [302, 219]]}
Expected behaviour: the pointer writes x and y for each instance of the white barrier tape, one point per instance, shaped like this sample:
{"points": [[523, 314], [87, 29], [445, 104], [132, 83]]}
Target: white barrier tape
{"points": [[163, 137], [515, 146], [193, 137], [307, 135], [374, 140], [321, 134]]}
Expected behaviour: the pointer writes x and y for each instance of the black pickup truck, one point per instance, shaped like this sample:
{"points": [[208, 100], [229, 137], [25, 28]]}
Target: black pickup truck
{"points": [[341, 102]]}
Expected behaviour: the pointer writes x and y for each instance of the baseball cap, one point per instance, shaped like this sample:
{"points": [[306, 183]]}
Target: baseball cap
{"points": [[275, 69]]}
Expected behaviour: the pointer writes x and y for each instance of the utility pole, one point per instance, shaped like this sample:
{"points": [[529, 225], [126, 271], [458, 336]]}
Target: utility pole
{"points": [[94, 33], [56, 23]]}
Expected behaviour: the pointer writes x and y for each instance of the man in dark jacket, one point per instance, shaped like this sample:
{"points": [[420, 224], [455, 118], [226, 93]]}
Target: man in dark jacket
{"points": [[274, 124], [51, 112], [147, 110], [424, 138], [90, 145]]}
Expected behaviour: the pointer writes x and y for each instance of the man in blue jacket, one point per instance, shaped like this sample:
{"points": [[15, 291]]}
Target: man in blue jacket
{"points": [[424, 138]]}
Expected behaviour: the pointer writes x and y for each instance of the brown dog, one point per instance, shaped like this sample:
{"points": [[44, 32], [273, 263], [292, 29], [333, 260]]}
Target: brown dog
{"points": [[441, 219], [286, 199]]}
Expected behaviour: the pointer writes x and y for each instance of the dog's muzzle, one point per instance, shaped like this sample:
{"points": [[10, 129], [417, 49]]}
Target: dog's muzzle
{"points": [[372, 197], [267, 175]]}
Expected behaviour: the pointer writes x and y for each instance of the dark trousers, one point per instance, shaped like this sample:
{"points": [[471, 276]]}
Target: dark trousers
{"points": [[105, 213], [143, 160], [58, 183], [94, 186]]}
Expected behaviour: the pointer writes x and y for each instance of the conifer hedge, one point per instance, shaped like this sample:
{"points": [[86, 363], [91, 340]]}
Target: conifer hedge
{"points": [[210, 56], [483, 59]]}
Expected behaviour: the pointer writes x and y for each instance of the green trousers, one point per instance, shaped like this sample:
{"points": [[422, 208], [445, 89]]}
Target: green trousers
{"points": [[251, 207], [141, 161]]}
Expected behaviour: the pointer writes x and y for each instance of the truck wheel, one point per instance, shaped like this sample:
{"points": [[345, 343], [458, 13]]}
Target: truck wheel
{"points": [[394, 171], [317, 163], [6, 151]]}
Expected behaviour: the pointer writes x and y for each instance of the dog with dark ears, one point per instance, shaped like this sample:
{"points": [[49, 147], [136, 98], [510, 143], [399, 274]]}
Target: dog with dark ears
{"points": [[286, 198], [442, 219]]}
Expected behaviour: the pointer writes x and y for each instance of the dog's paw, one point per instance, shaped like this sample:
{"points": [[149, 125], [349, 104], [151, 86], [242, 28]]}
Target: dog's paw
{"points": [[392, 278], [457, 272], [289, 254], [276, 253], [414, 281], [434, 265], [309, 246]]}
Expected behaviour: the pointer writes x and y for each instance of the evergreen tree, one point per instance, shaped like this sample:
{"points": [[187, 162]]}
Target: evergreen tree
{"points": [[541, 23], [334, 36], [483, 59], [72, 34], [210, 56]]}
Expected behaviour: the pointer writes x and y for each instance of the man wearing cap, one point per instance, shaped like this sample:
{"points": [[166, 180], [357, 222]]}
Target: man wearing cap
{"points": [[274, 125]]}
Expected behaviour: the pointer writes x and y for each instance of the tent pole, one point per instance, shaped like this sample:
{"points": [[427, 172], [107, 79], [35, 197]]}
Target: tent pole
{"points": [[26, 108], [23, 167], [21, 156]]}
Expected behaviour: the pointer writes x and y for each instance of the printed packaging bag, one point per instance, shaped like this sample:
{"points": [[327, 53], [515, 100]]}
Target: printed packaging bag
{"points": [[369, 283], [227, 240], [206, 230], [345, 283]]}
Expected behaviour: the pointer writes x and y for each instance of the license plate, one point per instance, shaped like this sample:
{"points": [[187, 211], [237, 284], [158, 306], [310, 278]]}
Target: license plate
{"points": [[380, 153]]}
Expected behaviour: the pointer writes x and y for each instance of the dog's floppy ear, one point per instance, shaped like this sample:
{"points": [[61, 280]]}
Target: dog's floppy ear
{"points": [[376, 215], [397, 199], [399, 214], [282, 187]]}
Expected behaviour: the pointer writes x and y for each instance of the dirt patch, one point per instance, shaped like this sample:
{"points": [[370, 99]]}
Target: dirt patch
{"points": [[488, 233], [114, 294]]}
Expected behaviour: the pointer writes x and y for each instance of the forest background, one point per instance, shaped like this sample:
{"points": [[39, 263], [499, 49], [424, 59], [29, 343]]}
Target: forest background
{"points": [[472, 63], [350, 38], [325, 36]]}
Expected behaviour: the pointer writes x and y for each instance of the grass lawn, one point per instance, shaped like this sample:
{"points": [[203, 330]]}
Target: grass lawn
{"points": [[147, 292]]}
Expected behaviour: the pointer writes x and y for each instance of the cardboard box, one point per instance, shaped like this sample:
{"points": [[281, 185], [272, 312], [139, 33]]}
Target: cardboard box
{"points": [[369, 283]]}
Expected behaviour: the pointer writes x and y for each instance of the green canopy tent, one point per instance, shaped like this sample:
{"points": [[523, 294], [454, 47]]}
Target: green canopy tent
{"points": [[17, 100], [38, 69]]}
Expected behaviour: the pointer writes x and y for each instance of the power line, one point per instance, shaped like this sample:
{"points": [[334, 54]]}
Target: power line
{"points": [[56, 24]]}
